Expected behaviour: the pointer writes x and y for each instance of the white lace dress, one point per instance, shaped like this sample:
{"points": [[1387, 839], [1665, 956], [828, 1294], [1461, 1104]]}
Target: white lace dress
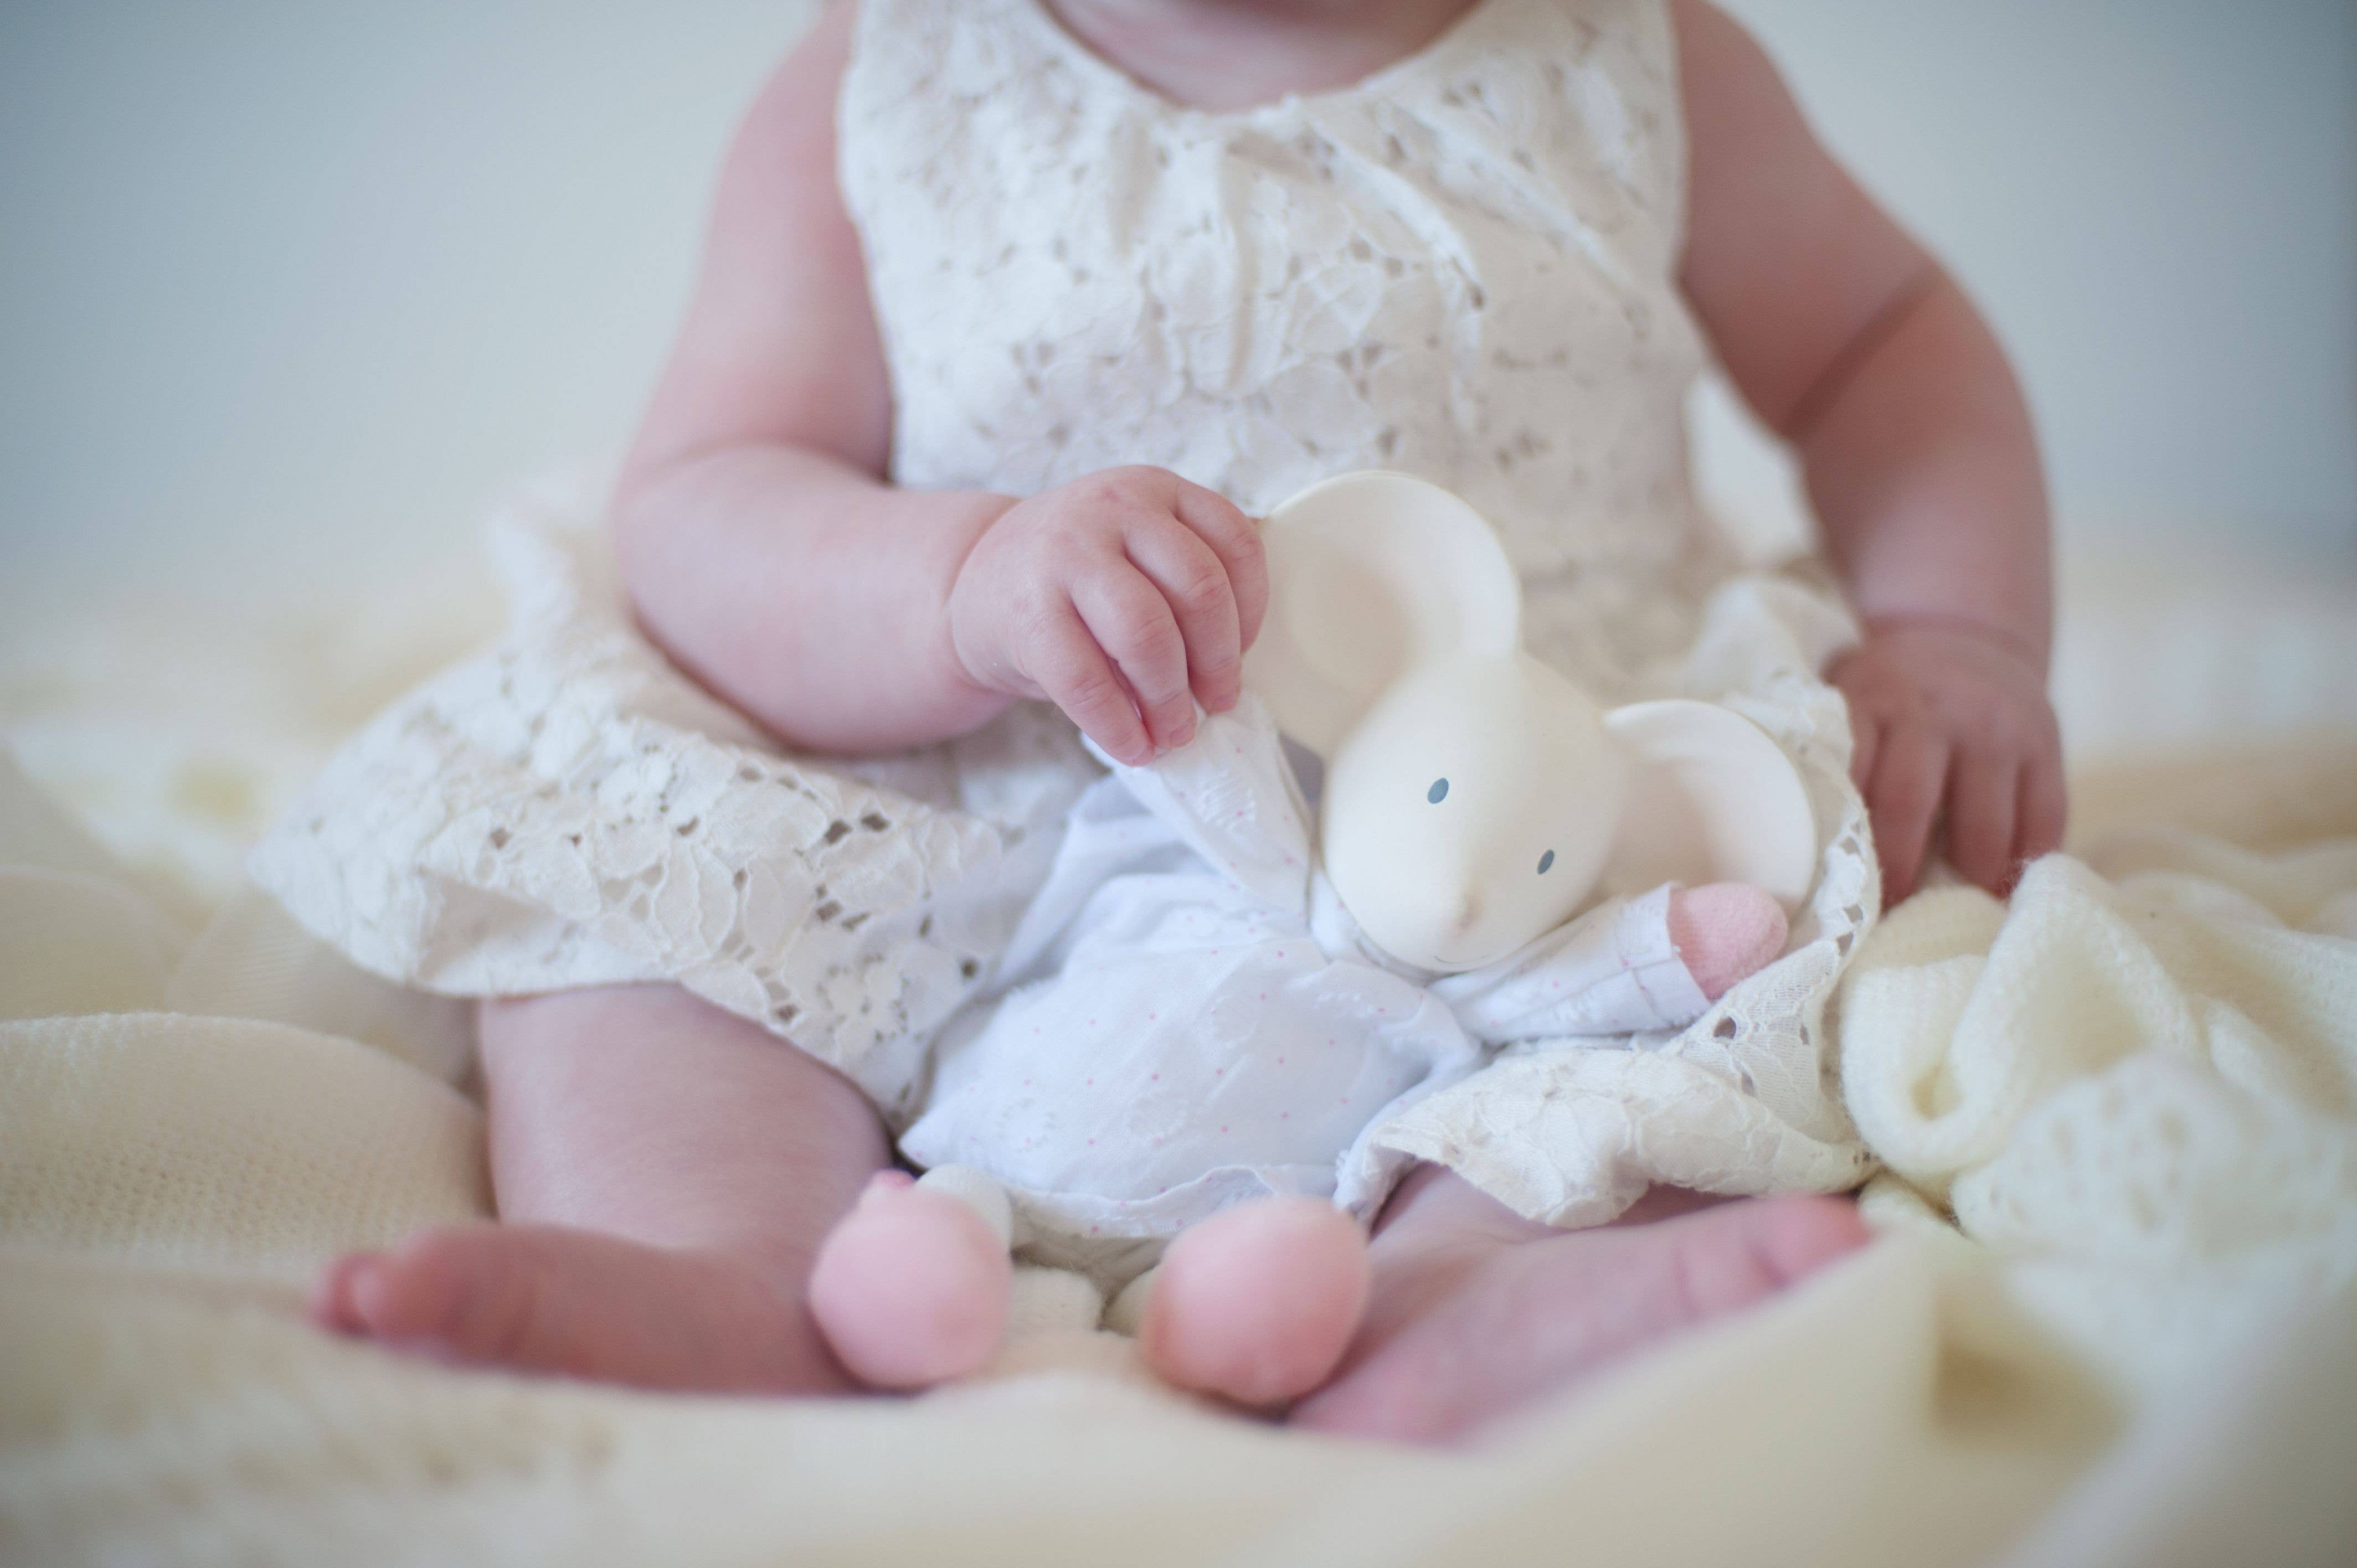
{"points": [[1461, 267]]}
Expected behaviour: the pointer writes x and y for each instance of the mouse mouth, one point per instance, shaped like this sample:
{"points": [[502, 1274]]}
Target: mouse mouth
{"points": [[1468, 958]]}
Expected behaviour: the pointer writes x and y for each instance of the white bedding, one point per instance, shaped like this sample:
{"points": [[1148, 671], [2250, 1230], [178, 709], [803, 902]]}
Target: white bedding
{"points": [[192, 1117]]}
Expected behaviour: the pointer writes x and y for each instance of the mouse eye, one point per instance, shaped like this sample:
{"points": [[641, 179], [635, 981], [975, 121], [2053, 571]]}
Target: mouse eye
{"points": [[1545, 861], [1438, 792]]}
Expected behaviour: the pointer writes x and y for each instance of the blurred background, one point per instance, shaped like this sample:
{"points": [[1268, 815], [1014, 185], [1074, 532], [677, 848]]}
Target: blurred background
{"points": [[290, 293]]}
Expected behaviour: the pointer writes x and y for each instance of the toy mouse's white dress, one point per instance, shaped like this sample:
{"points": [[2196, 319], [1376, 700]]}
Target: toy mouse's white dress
{"points": [[1462, 267]]}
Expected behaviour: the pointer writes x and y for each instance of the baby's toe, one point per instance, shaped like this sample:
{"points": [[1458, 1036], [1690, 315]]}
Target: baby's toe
{"points": [[1801, 1234], [1726, 1258], [330, 1306], [466, 1293]]}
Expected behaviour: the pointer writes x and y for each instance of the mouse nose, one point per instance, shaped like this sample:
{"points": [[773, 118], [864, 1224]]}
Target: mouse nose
{"points": [[1467, 913]]}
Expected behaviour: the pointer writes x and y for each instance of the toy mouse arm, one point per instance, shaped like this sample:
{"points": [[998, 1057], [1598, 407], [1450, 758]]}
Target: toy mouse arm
{"points": [[1231, 796], [1613, 971]]}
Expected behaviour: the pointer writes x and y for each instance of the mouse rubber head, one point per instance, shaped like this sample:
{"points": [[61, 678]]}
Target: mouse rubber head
{"points": [[1470, 811]]}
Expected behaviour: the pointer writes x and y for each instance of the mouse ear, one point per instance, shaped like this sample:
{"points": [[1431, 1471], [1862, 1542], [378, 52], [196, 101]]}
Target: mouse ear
{"points": [[1711, 797], [1372, 574]]}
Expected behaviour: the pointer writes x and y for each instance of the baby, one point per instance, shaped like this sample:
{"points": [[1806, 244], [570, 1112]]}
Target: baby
{"points": [[1014, 314]]}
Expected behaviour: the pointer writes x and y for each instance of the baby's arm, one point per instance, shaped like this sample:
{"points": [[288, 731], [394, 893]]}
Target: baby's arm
{"points": [[1859, 348], [765, 552]]}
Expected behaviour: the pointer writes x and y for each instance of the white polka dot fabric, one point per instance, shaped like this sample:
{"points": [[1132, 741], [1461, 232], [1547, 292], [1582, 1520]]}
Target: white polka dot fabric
{"points": [[1191, 1017]]}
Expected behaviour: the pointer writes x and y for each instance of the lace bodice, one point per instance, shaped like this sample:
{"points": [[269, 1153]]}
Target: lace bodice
{"points": [[1461, 267]]}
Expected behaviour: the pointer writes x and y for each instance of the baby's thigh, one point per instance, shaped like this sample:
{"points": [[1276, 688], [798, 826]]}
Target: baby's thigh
{"points": [[646, 1110]]}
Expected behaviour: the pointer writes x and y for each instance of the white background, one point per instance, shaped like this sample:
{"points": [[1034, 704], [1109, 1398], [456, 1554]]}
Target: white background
{"points": [[289, 287]]}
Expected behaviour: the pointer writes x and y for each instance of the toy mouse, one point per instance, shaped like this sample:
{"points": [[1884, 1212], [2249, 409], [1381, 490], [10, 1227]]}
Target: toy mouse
{"points": [[1217, 998], [1474, 799]]}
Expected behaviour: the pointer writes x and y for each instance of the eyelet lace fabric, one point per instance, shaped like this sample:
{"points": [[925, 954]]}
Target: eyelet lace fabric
{"points": [[568, 809], [1462, 268]]}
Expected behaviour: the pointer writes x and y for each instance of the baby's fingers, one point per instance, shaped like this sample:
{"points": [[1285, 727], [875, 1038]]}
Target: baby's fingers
{"points": [[1071, 672], [1865, 737], [1133, 624], [1910, 775], [1235, 540], [1982, 792], [2043, 807], [1194, 582]]}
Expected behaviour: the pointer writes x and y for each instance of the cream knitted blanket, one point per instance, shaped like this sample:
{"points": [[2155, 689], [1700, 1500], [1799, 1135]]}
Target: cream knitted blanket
{"points": [[2136, 1093]]}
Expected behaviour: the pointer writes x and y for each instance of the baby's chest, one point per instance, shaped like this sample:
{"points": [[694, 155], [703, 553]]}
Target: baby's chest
{"points": [[1211, 304]]}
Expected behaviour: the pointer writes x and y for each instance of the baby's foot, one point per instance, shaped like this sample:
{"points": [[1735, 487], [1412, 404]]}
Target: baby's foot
{"points": [[545, 1299], [1476, 1313], [1258, 1303], [912, 1288], [1725, 933]]}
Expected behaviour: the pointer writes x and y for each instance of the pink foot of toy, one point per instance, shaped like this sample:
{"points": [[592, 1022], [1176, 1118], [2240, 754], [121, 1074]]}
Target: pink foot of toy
{"points": [[1725, 933], [1258, 1303], [911, 1289]]}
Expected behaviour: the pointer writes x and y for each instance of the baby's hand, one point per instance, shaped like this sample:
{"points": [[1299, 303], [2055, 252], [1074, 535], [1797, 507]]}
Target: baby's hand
{"points": [[1948, 716], [1124, 599]]}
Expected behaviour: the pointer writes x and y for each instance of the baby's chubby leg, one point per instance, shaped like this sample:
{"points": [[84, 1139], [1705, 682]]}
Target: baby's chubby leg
{"points": [[665, 1172]]}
